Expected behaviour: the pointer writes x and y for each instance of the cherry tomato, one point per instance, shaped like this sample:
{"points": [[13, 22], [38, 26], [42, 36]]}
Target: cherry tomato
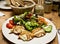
{"points": [[42, 19], [11, 22], [30, 15], [8, 25]]}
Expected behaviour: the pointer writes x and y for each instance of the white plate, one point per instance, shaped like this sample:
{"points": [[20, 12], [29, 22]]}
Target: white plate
{"points": [[42, 40], [3, 5]]}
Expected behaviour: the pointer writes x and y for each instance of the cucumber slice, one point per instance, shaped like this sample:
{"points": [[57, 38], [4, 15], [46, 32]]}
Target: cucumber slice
{"points": [[48, 28]]}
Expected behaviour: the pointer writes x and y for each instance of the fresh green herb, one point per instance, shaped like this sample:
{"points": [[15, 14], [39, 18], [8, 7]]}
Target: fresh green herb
{"points": [[16, 19], [23, 15]]}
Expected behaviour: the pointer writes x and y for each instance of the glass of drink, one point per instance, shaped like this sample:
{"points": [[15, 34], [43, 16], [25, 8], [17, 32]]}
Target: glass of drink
{"points": [[48, 6], [39, 8]]}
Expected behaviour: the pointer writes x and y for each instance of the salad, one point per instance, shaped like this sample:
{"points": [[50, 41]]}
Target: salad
{"points": [[28, 25]]}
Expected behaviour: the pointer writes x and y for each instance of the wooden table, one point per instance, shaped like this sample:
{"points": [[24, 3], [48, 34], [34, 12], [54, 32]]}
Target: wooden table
{"points": [[53, 16]]}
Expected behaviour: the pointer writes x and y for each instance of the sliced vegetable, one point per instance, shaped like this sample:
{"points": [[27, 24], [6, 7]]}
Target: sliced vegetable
{"points": [[8, 25], [28, 16], [30, 25], [23, 15], [23, 22], [34, 23], [11, 22], [42, 21], [16, 19], [19, 23], [47, 28]]}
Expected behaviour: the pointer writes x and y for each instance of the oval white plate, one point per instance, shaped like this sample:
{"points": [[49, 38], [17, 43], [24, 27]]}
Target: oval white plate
{"points": [[42, 40], [3, 5]]}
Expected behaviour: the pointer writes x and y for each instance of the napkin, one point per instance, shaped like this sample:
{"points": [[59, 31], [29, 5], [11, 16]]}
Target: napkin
{"points": [[2, 14]]}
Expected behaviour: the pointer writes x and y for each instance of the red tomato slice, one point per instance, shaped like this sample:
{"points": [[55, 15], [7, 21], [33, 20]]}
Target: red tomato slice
{"points": [[8, 25], [11, 22]]}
